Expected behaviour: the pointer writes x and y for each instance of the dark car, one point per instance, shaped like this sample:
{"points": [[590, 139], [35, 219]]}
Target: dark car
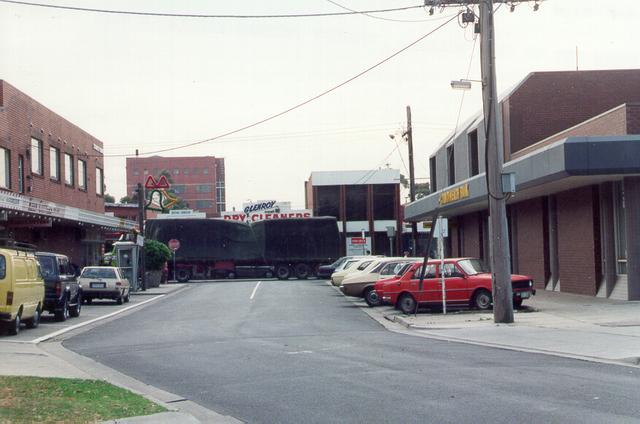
{"points": [[62, 294]]}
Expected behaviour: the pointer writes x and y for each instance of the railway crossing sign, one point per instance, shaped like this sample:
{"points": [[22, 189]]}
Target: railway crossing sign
{"points": [[151, 183]]}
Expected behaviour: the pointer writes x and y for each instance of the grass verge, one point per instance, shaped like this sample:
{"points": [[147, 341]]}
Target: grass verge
{"points": [[56, 400]]}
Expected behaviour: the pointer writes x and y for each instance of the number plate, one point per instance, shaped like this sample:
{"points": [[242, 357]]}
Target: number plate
{"points": [[97, 285], [525, 295]]}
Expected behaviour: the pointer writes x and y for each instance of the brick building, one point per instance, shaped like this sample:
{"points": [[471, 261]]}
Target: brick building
{"points": [[573, 141], [363, 202], [51, 181], [198, 180]]}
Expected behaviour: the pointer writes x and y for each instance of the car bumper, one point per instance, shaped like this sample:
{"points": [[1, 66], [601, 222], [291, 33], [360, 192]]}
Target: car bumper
{"points": [[101, 293], [5, 316], [354, 290], [524, 294]]}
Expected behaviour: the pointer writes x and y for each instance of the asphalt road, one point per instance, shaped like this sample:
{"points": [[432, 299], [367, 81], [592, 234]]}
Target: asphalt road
{"points": [[299, 352]]}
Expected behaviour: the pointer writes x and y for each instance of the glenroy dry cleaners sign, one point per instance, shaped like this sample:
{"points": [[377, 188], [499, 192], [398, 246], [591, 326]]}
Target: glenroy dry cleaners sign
{"points": [[269, 209]]}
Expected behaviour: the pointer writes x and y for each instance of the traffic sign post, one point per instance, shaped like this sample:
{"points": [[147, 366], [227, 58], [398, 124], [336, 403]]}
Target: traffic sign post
{"points": [[174, 244]]}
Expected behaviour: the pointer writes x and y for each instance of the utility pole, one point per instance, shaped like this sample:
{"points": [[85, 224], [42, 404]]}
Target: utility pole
{"points": [[412, 182], [141, 199], [499, 234]]}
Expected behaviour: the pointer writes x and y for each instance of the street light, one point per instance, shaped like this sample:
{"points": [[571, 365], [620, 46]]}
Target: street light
{"points": [[463, 84]]}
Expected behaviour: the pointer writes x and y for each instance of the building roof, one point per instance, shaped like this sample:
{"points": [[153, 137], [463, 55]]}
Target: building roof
{"points": [[379, 176]]}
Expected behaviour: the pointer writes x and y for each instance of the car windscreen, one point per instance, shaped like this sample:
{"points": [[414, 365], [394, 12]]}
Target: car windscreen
{"points": [[473, 266], [348, 264], [98, 273], [339, 262], [47, 266]]}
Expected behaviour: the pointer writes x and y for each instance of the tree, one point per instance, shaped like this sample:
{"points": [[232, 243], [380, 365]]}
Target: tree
{"points": [[421, 189], [155, 255], [130, 199], [109, 198]]}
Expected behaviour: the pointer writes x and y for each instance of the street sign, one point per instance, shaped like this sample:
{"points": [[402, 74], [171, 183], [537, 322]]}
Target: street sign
{"points": [[150, 183], [162, 182], [174, 244], [358, 240]]}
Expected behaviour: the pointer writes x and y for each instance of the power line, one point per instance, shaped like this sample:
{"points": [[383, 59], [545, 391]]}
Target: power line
{"points": [[297, 106], [386, 19], [216, 16]]}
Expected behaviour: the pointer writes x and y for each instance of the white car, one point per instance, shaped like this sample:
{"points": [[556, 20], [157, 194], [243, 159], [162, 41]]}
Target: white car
{"points": [[352, 265], [104, 282]]}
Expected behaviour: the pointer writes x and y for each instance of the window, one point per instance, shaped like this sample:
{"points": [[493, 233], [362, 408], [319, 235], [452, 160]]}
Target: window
{"points": [[473, 153], [68, 169], [99, 182], [431, 272], [36, 156], [205, 171], [384, 203], [195, 171], [327, 201], [176, 171], [451, 165], [432, 173], [3, 267], [20, 174], [356, 202], [203, 188], [185, 171], [82, 174], [136, 172], [620, 228], [451, 271], [54, 163], [179, 188], [204, 204], [146, 171], [5, 168]]}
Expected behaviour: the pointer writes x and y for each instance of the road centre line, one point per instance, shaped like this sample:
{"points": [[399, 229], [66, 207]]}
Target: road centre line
{"points": [[253, 293]]}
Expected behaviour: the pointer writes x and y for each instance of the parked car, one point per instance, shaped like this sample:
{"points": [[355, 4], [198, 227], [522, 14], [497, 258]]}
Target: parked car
{"points": [[352, 265], [62, 293], [21, 289], [104, 282], [325, 271], [361, 284], [467, 282]]}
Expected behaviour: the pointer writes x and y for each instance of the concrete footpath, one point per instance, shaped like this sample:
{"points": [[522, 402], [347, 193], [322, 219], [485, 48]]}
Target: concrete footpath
{"points": [[44, 356], [560, 324]]}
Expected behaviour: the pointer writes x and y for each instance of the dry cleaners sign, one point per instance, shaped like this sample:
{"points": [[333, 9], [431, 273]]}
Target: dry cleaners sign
{"points": [[266, 209]]}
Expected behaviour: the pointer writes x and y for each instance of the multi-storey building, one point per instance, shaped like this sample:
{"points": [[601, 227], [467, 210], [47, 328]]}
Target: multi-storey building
{"points": [[198, 180], [51, 181], [572, 139], [365, 203]]}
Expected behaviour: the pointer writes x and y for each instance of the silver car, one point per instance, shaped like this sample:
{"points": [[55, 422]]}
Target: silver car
{"points": [[104, 282]]}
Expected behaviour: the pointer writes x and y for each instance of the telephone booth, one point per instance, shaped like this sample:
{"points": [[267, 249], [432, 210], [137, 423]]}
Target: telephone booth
{"points": [[127, 254]]}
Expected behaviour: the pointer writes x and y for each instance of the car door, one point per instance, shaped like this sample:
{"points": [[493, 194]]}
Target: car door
{"points": [[429, 285], [67, 278], [455, 284]]}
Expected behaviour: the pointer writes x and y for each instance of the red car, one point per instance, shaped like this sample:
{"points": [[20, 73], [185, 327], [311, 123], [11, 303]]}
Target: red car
{"points": [[467, 282]]}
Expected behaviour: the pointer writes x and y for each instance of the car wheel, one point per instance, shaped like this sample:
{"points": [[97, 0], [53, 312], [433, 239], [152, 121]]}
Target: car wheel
{"points": [[63, 313], [482, 300], [302, 271], [517, 303], [75, 311], [119, 299], [35, 320], [183, 275], [14, 326], [127, 297], [283, 272], [407, 304], [231, 275], [372, 298]]}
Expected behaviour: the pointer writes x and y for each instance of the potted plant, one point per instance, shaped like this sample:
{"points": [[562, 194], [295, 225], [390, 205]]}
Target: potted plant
{"points": [[156, 254]]}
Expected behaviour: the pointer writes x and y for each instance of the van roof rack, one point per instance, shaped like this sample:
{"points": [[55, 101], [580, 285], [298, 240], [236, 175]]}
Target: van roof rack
{"points": [[17, 245]]}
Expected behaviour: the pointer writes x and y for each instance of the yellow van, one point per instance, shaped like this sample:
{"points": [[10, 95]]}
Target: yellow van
{"points": [[21, 289]]}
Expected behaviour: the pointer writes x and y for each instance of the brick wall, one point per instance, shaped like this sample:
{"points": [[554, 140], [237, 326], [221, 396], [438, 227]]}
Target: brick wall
{"points": [[549, 102], [578, 246], [531, 240], [22, 118]]}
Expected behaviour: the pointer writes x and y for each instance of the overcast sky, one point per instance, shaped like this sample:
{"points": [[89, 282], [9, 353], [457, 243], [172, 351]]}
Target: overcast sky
{"points": [[157, 82]]}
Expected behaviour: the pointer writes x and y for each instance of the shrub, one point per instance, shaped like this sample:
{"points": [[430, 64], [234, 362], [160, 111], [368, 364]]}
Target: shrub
{"points": [[155, 255]]}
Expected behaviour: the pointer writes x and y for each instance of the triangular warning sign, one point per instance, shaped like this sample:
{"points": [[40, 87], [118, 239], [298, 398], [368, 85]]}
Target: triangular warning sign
{"points": [[151, 182], [162, 182]]}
